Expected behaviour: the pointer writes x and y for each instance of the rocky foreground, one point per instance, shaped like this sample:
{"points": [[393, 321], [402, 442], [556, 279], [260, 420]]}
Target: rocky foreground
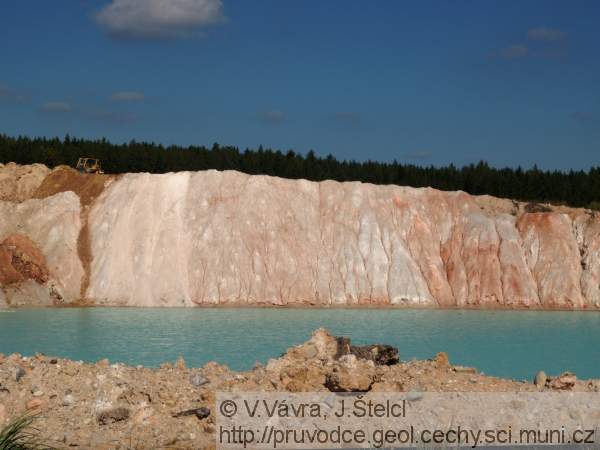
{"points": [[227, 238], [113, 406]]}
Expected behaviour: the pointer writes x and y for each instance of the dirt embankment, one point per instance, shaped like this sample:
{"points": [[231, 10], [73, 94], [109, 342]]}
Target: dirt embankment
{"points": [[17, 183], [22, 256], [88, 187], [63, 178], [104, 406]]}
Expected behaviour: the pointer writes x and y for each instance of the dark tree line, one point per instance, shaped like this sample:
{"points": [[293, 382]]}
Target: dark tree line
{"points": [[576, 188]]}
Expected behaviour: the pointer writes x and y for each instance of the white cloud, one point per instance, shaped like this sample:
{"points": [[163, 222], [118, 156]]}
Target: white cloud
{"points": [[56, 107], [545, 34], [514, 52], [158, 18], [127, 96]]}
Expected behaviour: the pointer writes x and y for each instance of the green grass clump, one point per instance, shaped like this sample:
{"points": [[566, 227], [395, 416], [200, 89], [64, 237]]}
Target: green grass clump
{"points": [[20, 434]]}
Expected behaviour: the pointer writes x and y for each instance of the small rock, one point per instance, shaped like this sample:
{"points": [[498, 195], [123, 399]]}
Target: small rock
{"points": [[564, 382], [180, 364], [68, 400], [310, 351], [442, 360], [358, 378], [540, 379], [413, 396], [35, 403], [200, 413], [198, 380], [103, 363], [20, 373], [69, 370], [53, 361], [142, 416], [38, 393], [382, 355], [463, 369], [113, 415]]}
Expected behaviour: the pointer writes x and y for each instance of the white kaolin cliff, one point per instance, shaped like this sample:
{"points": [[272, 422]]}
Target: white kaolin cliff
{"points": [[205, 238]]}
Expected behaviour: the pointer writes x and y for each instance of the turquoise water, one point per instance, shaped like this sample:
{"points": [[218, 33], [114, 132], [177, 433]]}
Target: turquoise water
{"points": [[505, 343]]}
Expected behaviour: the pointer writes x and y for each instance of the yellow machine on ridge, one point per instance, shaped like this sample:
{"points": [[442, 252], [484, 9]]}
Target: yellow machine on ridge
{"points": [[89, 165]]}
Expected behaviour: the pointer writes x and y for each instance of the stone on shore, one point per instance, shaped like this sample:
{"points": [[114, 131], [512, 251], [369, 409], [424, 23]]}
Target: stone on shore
{"points": [[442, 360], [113, 415], [563, 382], [200, 413], [198, 380], [540, 379]]}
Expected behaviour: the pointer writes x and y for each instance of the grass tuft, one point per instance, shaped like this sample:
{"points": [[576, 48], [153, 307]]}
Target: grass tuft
{"points": [[20, 434]]}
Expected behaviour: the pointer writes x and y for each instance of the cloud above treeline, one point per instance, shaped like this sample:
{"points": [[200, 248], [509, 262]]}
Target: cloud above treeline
{"points": [[58, 107], [545, 42], [158, 18], [545, 34], [12, 95], [514, 52], [127, 96]]}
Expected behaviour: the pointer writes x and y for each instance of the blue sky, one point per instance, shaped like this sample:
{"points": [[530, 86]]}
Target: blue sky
{"points": [[426, 82]]}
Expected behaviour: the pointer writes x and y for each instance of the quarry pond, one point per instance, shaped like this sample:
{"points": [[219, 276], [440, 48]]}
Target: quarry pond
{"points": [[514, 344]]}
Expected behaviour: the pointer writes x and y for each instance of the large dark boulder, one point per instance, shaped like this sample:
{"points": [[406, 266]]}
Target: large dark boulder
{"points": [[380, 354]]}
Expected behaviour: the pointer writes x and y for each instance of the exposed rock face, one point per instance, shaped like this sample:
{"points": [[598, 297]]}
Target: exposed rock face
{"points": [[38, 250], [205, 238], [225, 237]]}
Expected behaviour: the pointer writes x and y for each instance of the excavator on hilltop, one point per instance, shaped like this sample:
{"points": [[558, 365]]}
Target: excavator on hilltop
{"points": [[89, 165]]}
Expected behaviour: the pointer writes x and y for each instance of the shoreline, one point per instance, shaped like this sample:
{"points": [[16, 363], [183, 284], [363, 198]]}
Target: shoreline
{"points": [[301, 306]]}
